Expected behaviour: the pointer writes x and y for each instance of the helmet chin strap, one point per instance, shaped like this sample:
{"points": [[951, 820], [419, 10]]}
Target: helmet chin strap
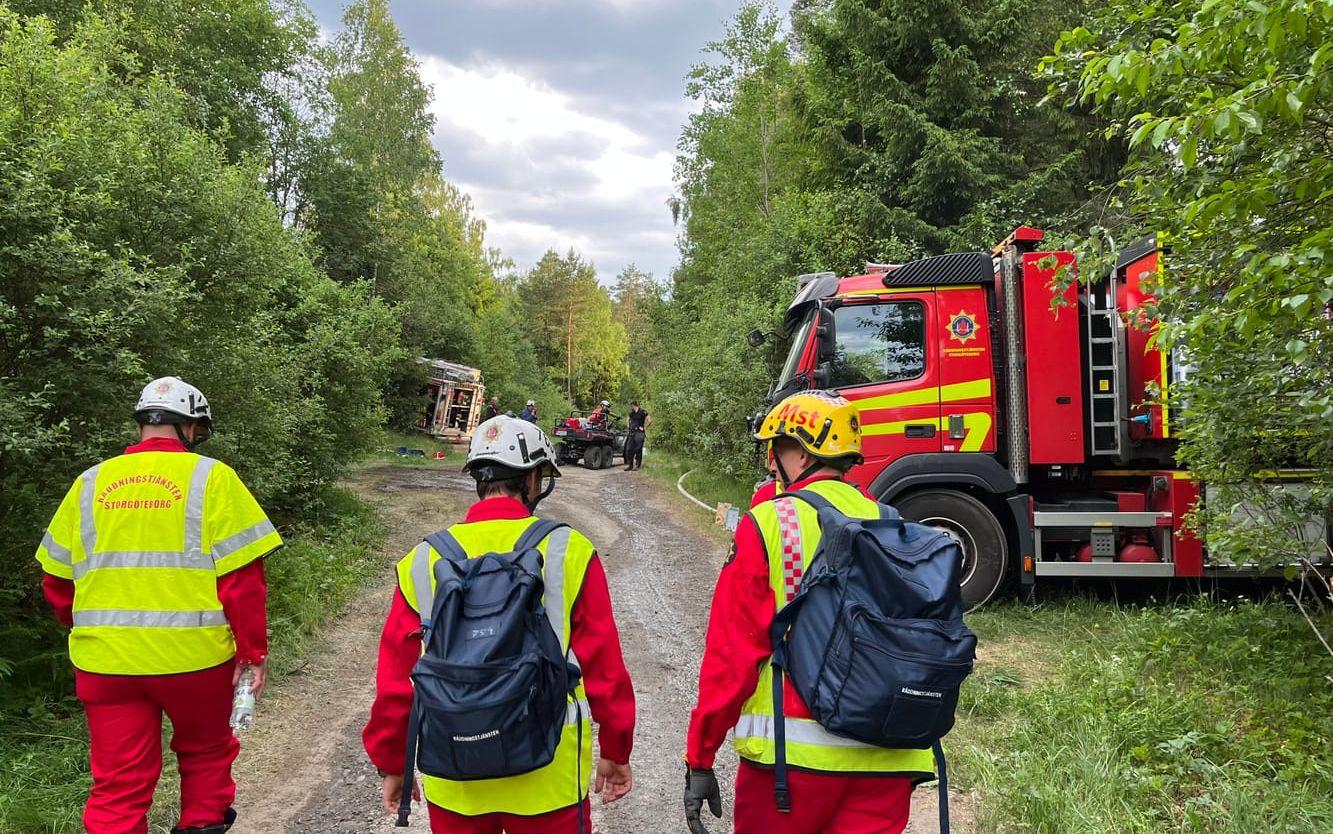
{"points": [[200, 435], [530, 502], [787, 480]]}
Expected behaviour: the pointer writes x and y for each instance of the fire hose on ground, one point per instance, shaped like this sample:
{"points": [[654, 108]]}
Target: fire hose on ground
{"points": [[680, 485], [725, 515]]}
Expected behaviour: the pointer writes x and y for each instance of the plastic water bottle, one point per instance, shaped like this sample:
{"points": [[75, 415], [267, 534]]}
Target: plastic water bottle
{"points": [[243, 702]]}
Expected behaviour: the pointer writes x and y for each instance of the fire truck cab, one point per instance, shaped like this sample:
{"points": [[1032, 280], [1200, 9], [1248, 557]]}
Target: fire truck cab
{"points": [[1029, 427]]}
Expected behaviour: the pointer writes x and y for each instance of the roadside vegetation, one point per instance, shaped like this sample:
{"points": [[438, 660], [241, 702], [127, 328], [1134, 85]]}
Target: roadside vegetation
{"points": [[1202, 715]]}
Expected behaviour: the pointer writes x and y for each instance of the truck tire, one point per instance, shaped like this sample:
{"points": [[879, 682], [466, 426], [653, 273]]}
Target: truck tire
{"points": [[562, 452], [593, 458], [970, 523]]}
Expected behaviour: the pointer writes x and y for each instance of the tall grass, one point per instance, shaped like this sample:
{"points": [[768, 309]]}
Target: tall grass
{"points": [[43, 740], [1210, 717], [703, 483]]}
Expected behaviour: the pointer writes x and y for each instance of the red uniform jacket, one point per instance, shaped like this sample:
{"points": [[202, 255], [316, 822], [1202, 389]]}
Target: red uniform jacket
{"points": [[737, 643], [243, 592], [593, 637]]}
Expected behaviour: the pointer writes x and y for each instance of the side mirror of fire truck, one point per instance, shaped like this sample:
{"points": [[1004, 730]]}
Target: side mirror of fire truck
{"points": [[755, 338], [822, 374]]}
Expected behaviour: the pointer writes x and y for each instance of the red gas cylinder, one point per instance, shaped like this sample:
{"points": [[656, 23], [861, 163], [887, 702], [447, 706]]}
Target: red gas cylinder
{"points": [[1084, 553], [1139, 550]]}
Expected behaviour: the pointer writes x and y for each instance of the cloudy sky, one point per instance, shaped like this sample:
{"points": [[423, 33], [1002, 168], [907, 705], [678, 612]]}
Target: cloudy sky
{"points": [[560, 117]]}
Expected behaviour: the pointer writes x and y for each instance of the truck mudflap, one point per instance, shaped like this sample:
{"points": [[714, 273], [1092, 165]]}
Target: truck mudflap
{"points": [[1020, 508]]}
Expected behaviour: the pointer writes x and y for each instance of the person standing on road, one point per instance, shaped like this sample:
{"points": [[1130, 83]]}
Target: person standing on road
{"points": [[513, 464], [154, 560], [838, 786], [529, 412], [492, 408], [639, 421]]}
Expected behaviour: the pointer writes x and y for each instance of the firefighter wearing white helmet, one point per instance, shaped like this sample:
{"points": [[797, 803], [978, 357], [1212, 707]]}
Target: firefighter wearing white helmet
{"points": [[508, 450], [171, 401], [154, 560], [514, 465]]}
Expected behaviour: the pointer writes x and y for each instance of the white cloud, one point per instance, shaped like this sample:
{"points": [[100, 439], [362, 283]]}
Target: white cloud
{"points": [[570, 177]]}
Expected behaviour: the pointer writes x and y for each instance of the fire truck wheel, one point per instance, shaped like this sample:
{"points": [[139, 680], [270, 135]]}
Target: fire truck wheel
{"points": [[974, 527]]}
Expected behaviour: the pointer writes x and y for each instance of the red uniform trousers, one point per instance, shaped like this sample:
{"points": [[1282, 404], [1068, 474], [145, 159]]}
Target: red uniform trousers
{"points": [[822, 803], [125, 731], [563, 821]]}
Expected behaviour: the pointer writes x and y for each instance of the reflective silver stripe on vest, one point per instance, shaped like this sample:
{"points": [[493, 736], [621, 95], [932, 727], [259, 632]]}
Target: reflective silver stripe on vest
{"points": [[553, 580], [194, 508], [148, 619], [421, 588], [798, 730], [141, 559], [56, 551], [88, 527], [573, 712], [235, 542]]}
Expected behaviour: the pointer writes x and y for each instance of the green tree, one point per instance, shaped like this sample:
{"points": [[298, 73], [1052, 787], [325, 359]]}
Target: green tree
{"points": [[1227, 107], [378, 149], [570, 319], [926, 116], [636, 298], [229, 57]]}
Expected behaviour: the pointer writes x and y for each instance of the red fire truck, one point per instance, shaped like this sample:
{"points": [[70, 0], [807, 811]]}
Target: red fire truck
{"points": [[1030, 431]]}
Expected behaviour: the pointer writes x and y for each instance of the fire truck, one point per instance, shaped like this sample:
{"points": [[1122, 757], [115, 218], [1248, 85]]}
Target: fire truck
{"points": [[1024, 420]]}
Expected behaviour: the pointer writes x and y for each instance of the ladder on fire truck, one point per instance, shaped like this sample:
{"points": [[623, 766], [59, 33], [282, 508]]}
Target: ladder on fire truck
{"points": [[1105, 366]]}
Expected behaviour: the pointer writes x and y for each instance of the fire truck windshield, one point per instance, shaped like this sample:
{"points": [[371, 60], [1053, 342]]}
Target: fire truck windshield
{"points": [[794, 356]]}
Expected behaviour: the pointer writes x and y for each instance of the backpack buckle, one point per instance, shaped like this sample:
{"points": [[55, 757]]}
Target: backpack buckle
{"points": [[783, 798]]}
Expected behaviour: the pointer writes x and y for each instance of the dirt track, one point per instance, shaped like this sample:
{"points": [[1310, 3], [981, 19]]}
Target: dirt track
{"points": [[303, 770]]}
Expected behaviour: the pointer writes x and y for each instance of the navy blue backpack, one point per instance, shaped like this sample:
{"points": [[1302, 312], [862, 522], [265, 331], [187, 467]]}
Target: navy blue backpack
{"points": [[874, 639], [492, 689]]}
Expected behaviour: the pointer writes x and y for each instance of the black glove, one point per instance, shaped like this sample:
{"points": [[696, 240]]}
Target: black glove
{"points": [[700, 784]]}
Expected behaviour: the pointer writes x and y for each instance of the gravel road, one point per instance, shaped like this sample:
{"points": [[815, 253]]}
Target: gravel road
{"points": [[302, 769]]}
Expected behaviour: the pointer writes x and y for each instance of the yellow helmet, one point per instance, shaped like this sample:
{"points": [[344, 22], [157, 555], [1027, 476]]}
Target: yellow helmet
{"points": [[826, 425]]}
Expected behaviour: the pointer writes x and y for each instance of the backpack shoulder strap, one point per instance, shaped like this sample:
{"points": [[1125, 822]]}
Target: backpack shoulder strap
{"points": [[814, 499], [536, 533], [446, 545]]}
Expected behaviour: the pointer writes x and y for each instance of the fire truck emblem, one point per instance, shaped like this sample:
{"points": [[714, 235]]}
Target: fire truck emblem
{"points": [[962, 326]]}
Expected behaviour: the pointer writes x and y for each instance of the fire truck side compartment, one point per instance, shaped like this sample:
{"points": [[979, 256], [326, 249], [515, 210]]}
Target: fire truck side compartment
{"points": [[1054, 361]]}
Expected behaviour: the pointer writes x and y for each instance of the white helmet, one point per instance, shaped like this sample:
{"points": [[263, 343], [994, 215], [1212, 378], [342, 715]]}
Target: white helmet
{"points": [[503, 446], [532, 402], [606, 403], [168, 396]]}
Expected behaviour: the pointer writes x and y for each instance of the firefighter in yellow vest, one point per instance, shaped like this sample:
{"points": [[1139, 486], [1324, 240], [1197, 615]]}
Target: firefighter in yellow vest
{"points": [[838, 786], [513, 463], [154, 558]]}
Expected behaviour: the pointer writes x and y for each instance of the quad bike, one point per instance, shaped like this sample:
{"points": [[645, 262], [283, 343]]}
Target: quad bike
{"points": [[596, 443]]}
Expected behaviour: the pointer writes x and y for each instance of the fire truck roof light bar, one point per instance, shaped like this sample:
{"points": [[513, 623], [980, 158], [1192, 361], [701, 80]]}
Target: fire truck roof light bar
{"points": [[943, 270]]}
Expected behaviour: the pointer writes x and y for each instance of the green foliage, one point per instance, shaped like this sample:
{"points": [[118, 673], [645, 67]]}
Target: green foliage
{"points": [[637, 300], [876, 132], [568, 316], [1226, 105], [1204, 718]]}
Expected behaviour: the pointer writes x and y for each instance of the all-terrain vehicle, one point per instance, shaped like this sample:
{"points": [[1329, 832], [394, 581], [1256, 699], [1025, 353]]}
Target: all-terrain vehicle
{"points": [[596, 443]]}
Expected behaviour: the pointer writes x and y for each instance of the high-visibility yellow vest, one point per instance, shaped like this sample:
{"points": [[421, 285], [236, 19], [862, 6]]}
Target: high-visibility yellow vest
{"points": [[790, 542], [145, 537], [563, 782]]}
